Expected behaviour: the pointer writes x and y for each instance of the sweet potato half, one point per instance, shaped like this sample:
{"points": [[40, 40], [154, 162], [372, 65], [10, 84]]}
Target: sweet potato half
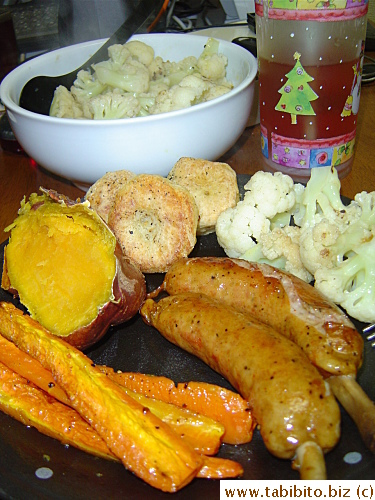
{"points": [[64, 264]]}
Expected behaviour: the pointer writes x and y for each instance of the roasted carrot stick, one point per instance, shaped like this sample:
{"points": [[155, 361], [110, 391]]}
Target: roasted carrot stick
{"points": [[28, 404], [209, 400], [145, 445], [220, 404], [29, 368], [203, 433], [219, 468]]}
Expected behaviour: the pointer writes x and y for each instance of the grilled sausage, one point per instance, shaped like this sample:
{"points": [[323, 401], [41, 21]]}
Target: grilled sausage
{"points": [[291, 306], [289, 398], [296, 310]]}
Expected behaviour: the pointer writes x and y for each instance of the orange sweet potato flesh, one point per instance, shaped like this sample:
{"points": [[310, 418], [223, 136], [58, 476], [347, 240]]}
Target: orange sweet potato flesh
{"points": [[67, 269], [144, 444], [216, 402]]}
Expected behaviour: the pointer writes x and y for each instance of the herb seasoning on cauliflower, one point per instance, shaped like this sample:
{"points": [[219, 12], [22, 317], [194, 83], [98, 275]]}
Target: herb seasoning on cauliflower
{"points": [[133, 82]]}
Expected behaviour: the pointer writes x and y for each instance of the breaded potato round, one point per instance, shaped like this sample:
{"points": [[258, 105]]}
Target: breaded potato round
{"points": [[212, 184], [101, 195], [154, 221]]}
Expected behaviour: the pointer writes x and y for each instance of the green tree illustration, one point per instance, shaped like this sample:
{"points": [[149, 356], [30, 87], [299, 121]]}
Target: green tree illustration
{"points": [[297, 94]]}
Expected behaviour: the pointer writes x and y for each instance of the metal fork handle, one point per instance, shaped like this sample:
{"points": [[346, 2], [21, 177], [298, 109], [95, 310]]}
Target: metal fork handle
{"points": [[369, 328], [372, 335]]}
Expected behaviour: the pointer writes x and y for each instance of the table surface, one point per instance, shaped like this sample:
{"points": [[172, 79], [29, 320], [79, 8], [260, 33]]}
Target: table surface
{"points": [[20, 176]]}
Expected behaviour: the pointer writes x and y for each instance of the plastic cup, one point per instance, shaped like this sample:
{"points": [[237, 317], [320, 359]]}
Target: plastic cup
{"points": [[310, 56]]}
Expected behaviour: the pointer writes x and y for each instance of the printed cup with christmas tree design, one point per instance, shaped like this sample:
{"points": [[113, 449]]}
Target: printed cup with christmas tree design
{"points": [[310, 57]]}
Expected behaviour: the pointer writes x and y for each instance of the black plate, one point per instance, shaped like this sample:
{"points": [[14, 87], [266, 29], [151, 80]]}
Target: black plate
{"points": [[137, 347]]}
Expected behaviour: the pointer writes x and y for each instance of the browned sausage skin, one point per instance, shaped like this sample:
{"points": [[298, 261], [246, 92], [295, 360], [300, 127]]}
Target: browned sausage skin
{"points": [[290, 400], [291, 306]]}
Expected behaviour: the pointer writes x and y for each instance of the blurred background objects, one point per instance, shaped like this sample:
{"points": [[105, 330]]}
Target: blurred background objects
{"points": [[31, 27]]}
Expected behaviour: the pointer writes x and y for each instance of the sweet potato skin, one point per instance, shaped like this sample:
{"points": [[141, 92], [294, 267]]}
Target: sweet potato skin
{"points": [[128, 285]]}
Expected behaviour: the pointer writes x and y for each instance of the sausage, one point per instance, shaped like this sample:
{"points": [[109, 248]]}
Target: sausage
{"points": [[289, 398], [292, 307]]}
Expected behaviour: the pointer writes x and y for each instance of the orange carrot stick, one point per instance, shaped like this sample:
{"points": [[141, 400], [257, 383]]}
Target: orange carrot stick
{"points": [[30, 405], [219, 468], [202, 433], [212, 401], [220, 404], [29, 368], [94, 396], [144, 444]]}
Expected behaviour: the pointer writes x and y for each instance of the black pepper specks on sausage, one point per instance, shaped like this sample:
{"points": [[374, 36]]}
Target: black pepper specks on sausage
{"points": [[288, 396]]}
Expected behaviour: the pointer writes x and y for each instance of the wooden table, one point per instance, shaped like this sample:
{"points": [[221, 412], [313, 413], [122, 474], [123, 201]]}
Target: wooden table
{"points": [[20, 176]]}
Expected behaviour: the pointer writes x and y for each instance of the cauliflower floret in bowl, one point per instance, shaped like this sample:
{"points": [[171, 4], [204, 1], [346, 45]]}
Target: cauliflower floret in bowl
{"points": [[142, 84], [83, 150]]}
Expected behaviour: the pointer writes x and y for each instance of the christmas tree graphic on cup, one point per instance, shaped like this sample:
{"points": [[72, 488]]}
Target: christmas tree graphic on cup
{"points": [[296, 93]]}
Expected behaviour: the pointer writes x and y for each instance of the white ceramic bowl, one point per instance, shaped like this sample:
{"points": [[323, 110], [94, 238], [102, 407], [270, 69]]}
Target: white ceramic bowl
{"points": [[84, 150]]}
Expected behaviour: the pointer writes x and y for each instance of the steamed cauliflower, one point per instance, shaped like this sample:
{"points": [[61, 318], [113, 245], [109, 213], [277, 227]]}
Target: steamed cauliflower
{"points": [[118, 54], [329, 242], [216, 91], [271, 193], [133, 82], [65, 106], [114, 105], [132, 77], [325, 219], [183, 95], [280, 248], [351, 283], [257, 229], [239, 228], [191, 90], [86, 86], [141, 51], [316, 245]]}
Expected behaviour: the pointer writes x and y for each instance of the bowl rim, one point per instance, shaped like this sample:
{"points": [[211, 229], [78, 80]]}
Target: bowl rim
{"points": [[11, 106]]}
